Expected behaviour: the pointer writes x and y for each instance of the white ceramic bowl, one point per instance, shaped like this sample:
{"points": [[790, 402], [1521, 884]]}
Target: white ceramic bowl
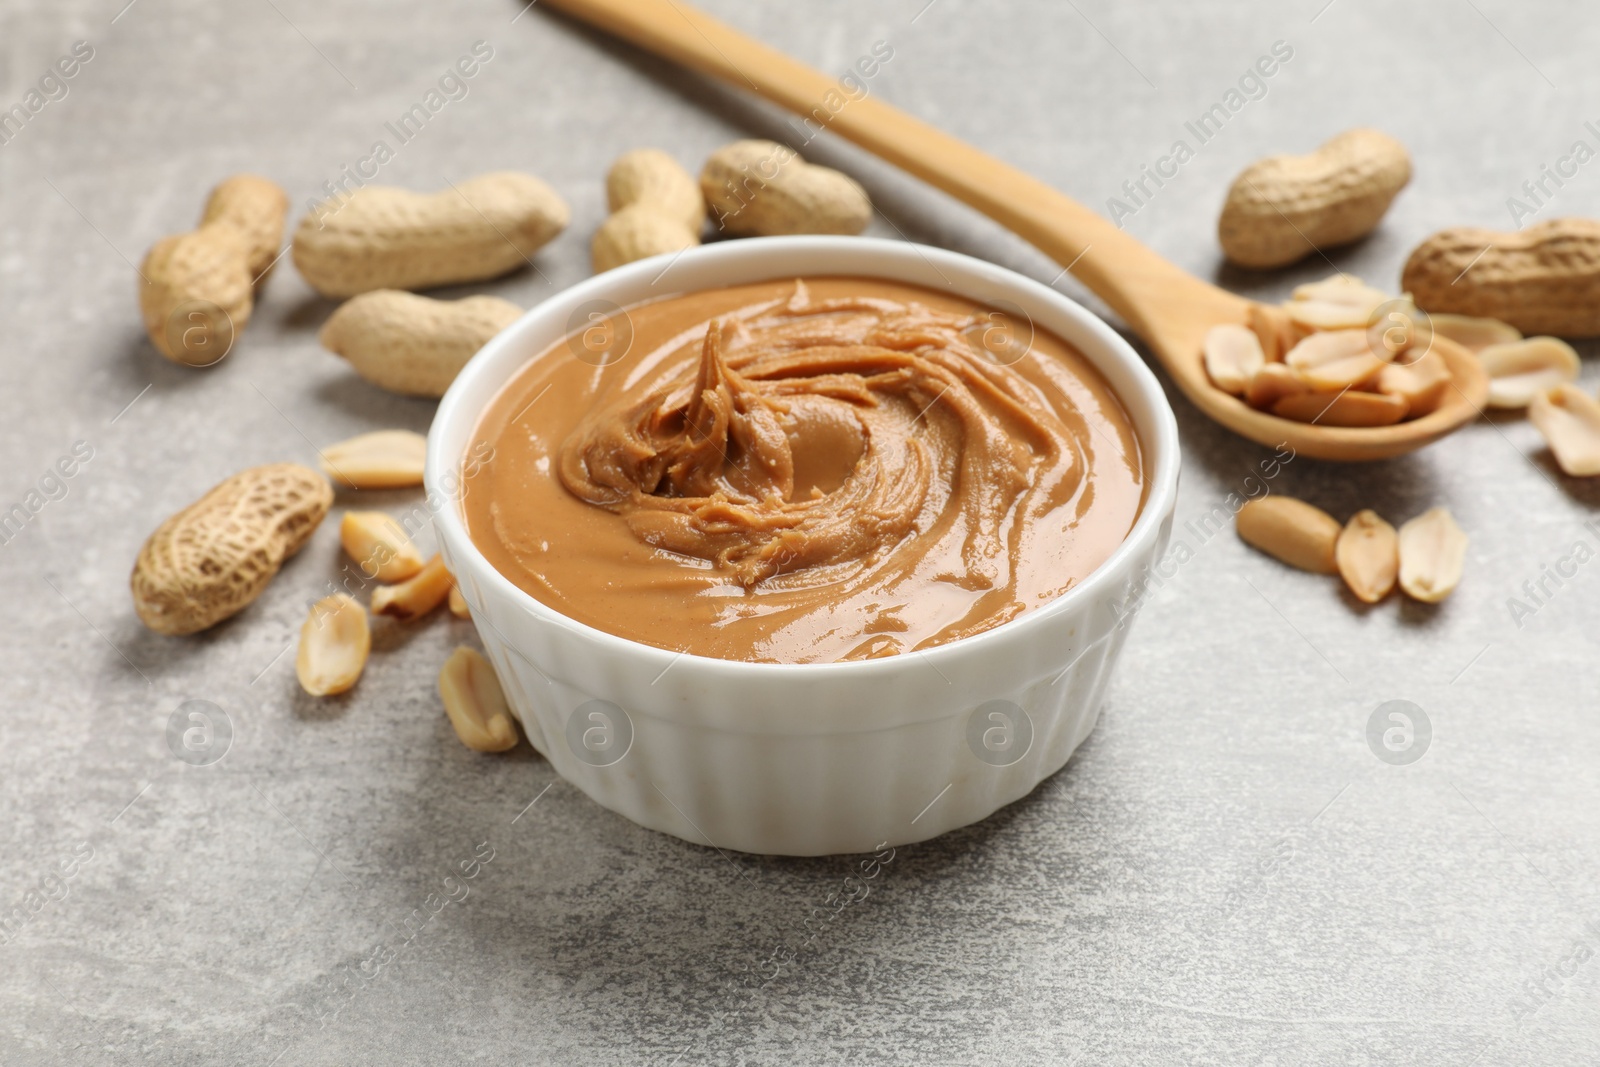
{"points": [[807, 759]]}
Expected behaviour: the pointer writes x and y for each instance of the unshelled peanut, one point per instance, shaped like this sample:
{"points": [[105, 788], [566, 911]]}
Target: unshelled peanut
{"points": [[257, 209], [413, 344], [211, 559], [637, 232], [1543, 279], [1284, 208], [197, 290], [656, 207], [651, 176], [384, 238], [762, 188]]}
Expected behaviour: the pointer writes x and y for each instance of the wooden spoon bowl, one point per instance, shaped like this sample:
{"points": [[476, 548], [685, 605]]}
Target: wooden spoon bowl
{"points": [[1178, 336], [1170, 309]]}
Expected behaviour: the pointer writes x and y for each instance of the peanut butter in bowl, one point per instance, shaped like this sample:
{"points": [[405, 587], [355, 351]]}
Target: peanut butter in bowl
{"points": [[805, 471]]}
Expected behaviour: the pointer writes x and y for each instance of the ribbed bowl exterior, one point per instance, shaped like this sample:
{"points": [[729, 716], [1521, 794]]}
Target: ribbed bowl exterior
{"points": [[808, 759]]}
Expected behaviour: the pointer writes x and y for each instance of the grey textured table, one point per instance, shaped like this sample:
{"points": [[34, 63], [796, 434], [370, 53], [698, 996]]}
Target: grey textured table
{"points": [[1225, 873]]}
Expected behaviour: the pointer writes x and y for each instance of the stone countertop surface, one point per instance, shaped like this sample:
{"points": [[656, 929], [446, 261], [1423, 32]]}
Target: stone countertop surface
{"points": [[1225, 873]]}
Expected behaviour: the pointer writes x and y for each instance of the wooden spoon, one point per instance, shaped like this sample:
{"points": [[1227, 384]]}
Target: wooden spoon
{"points": [[1170, 309]]}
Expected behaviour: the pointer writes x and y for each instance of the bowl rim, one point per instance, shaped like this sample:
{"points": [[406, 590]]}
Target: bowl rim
{"points": [[860, 257]]}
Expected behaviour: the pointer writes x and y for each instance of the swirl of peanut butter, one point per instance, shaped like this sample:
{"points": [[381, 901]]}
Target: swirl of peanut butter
{"points": [[844, 477], [929, 440]]}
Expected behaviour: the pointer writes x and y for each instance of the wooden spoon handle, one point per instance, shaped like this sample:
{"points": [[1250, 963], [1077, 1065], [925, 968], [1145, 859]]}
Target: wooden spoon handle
{"points": [[1121, 271]]}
